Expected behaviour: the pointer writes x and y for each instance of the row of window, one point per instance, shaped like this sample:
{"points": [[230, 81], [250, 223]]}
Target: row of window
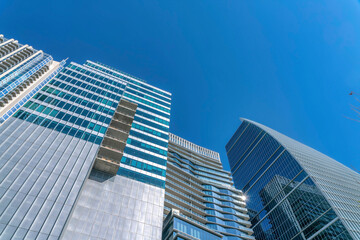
{"points": [[193, 166], [223, 197], [75, 109], [75, 132], [191, 170], [148, 138], [127, 79], [216, 201], [148, 103], [147, 115], [223, 209], [95, 97], [143, 155], [146, 146], [74, 99], [68, 117], [145, 105], [143, 166], [223, 222], [221, 190], [214, 181], [85, 82], [223, 215], [149, 130], [140, 114], [149, 109], [29, 95], [243, 146], [228, 230], [22, 69], [147, 97], [192, 230], [149, 123], [94, 75], [7, 85], [141, 177], [149, 93], [103, 83], [129, 96]]}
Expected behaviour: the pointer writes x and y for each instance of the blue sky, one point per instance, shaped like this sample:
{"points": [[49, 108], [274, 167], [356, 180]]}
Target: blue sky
{"points": [[289, 65]]}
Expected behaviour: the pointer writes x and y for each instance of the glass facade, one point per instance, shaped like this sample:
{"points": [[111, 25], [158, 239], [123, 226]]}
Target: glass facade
{"points": [[146, 150], [293, 191], [48, 149], [202, 193], [177, 227], [128, 205]]}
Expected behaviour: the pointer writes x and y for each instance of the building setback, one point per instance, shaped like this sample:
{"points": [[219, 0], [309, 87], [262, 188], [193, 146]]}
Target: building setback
{"points": [[200, 199], [293, 191], [86, 158], [23, 72]]}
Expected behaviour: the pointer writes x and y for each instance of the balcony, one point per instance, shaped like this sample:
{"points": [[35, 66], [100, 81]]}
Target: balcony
{"points": [[112, 147]]}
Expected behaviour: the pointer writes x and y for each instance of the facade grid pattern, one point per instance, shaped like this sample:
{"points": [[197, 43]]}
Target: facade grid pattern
{"points": [[293, 191], [202, 193], [51, 143]]}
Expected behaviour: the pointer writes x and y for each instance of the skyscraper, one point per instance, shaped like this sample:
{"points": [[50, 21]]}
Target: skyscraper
{"points": [[129, 205], [23, 72], [200, 199], [293, 191], [86, 158]]}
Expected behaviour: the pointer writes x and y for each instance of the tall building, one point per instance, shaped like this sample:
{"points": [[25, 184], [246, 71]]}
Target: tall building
{"points": [[85, 158], [128, 205], [23, 72], [293, 191], [200, 199]]}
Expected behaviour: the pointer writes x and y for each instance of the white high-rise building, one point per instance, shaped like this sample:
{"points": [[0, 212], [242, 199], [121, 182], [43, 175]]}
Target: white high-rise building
{"points": [[23, 72]]}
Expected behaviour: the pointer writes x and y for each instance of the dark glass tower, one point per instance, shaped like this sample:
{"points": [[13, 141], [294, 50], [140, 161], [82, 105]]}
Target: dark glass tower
{"points": [[293, 191]]}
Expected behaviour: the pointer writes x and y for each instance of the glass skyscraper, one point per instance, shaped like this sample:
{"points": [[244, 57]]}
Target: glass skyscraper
{"points": [[200, 199], [23, 72], [293, 191], [65, 170], [128, 205]]}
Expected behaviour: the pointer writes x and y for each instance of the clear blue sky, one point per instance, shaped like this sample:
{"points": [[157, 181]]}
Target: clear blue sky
{"points": [[286, 64]]}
